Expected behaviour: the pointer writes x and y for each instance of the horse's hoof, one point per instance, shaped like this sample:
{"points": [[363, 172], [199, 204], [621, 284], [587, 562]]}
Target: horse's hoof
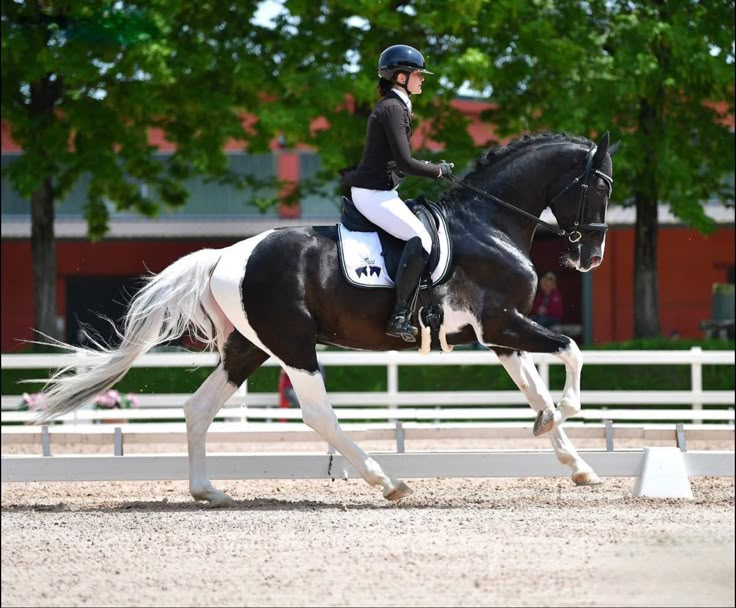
{"points": [[220, 502], [214, 498], [399, 491], [586, 478], [545, 422]]}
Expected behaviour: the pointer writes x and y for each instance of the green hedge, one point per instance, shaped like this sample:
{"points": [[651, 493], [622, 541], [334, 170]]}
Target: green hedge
{"points": [[444, 378]]}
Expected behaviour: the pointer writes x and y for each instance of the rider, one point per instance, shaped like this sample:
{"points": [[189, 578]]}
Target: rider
{"points": [[386, 158]]}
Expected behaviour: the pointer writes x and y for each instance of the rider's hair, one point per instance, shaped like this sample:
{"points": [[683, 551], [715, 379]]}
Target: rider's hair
{"points": [[384, 86]]}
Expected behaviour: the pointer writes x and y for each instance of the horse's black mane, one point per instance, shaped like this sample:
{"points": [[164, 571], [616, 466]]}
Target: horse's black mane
{"points": [[497, 155], [494, 155]]}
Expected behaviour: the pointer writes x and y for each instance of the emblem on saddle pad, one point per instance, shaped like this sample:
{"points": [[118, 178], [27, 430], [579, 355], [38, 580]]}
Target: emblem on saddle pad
{"points": [[369, 269]]}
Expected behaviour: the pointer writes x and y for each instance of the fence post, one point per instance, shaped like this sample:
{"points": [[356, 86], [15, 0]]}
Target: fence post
{"points": [[696, 377], [242, 393], [399, 437], [609, 434], [118, 441], [392, 381], [45, 441]]}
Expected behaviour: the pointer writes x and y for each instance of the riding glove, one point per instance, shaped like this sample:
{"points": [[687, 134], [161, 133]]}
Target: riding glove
{"points": [[445, 169]]}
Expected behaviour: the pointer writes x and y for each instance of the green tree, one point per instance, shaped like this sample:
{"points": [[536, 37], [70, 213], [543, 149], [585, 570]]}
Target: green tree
{"points": [[84, 82]]}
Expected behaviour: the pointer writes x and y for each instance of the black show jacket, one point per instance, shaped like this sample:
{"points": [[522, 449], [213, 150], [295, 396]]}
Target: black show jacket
{"points": [[387, 152]]}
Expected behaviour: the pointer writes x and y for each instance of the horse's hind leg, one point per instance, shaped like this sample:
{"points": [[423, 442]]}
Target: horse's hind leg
{"points": [[200, 410], [240, 359], [319, 415]]}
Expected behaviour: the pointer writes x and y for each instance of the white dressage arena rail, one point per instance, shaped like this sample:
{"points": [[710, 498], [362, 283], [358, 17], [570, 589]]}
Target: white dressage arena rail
{"points": [[395, 406], [506, 463]]}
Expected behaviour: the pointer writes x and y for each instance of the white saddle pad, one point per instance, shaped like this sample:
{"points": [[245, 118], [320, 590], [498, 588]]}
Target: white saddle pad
{"points": [[363, 264]]}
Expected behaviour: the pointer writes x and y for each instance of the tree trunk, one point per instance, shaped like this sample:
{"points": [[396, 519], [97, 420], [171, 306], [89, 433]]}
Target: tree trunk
{"points": [[43, 251], [646, 276], [646, 235], [45, 93]]}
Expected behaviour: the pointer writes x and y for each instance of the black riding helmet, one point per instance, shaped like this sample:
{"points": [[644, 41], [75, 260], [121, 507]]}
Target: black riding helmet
{"points": [[400, 58]]}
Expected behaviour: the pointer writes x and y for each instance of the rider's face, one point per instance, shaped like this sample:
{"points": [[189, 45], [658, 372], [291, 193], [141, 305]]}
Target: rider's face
{"points": [[416, 79]]}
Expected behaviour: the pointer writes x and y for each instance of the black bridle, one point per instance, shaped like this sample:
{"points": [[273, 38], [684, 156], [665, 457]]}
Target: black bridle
{"points": [[574, 234]]}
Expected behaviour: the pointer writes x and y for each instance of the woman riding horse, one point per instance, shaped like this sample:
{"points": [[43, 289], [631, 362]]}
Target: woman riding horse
{"points": [[386, 158], [282, 292]]}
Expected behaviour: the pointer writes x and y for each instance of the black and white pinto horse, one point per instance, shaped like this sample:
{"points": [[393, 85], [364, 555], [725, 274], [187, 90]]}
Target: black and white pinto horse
{"points": [[282, 292]]}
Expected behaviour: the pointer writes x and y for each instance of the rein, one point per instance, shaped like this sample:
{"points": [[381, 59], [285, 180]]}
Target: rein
{"points": [[573, 235], [458, 182]]}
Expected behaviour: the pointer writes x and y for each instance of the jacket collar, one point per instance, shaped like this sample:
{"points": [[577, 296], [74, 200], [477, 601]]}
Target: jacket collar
{"points": [[403, 97]]}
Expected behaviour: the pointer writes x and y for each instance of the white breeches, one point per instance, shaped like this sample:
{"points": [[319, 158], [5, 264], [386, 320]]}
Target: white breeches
{"points": [[386, 209]]}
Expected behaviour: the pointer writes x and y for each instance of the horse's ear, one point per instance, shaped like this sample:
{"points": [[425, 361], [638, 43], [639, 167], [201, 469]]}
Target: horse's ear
{"points": [[613, 148], [602, 150]]}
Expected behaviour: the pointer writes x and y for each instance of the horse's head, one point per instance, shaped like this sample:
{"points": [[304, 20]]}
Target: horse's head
{"points": [[581, 202]]}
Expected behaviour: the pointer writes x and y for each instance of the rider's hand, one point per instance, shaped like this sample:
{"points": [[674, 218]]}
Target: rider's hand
{"points": [[445, 169]]}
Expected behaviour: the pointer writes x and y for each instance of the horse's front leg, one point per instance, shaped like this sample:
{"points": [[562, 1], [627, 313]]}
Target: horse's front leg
{"points": [[524, 335], [520, 366], [582, 472], [571, 356], [319, 415]]}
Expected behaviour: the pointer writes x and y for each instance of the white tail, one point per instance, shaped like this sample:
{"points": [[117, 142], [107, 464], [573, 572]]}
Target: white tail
{"points": [[169, 305]]}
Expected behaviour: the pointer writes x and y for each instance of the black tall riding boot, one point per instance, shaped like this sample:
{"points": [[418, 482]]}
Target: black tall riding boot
{"points": [[409, 273]]}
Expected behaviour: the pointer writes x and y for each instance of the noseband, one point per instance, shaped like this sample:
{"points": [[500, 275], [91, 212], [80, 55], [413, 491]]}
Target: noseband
{"points": [[573, 235]]}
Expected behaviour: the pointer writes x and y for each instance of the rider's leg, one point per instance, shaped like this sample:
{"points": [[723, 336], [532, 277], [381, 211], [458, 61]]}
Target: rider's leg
{"points": [[387, 210], [408, 274]]}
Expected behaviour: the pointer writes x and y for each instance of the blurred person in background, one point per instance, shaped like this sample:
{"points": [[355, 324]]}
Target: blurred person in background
{"points": [[547, 307]]}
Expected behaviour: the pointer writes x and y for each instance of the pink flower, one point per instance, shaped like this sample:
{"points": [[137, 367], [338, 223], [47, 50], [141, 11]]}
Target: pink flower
{"points": [[113, 399], [108, 400], [34, 401]]}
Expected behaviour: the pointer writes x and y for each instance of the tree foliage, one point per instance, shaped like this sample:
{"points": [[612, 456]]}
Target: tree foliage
{"points": [[84, 82]]}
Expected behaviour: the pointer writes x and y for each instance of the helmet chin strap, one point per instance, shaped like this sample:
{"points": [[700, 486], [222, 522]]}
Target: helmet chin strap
{"points": [[404, 85]]}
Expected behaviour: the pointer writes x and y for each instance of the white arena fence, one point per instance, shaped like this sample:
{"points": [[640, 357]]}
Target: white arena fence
{"points": [[396, 415], [245, 405]]}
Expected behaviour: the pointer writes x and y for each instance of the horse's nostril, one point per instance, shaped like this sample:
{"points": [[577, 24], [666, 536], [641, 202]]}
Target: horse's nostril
{"points": [[596, 260]]}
